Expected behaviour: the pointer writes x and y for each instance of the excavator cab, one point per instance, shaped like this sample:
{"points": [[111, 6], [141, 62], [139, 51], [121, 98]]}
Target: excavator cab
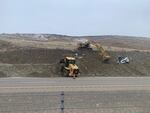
{"points": [[69, 67], [70, 60], [84, 45]]}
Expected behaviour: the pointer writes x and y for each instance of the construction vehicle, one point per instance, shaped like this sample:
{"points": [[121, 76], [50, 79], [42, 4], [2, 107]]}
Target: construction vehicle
{"points": [[69, 67], [102, 52], [86, 44]]}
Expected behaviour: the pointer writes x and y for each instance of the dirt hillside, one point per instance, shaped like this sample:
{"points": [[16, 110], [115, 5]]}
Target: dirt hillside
{"points": [[45, 63], [39, 55]]}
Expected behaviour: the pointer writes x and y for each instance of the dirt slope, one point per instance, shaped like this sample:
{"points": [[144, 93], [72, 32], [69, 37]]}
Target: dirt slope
{"points": [[37, 55], [45, 63]]}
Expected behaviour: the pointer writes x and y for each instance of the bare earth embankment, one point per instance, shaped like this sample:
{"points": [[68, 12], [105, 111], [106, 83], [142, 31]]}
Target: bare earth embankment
{"points": [[38, 55]]}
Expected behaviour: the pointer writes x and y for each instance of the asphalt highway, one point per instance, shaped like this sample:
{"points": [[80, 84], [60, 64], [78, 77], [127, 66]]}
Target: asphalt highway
{"points": [[81, 95], [69, 84]]}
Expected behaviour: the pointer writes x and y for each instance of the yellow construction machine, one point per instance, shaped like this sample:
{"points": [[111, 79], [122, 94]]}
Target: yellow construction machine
{"points": [[102, 52], [87, 44], [69, 67]]}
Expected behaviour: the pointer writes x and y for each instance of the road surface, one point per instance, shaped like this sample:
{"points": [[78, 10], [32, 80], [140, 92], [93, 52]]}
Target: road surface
{"points": [[82, 95], [69, 84]]}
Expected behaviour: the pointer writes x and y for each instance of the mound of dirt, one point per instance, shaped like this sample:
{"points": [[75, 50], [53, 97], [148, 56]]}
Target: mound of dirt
{"points": [[2, 74], [45, 63], [139, 65], [33, 56]]}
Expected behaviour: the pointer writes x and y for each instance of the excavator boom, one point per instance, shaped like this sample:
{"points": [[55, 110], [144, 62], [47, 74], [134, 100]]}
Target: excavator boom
{"points": [[102, 52], [88, 44]]}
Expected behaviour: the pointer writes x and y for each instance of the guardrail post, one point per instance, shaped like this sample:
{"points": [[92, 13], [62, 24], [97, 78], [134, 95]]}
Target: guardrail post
{"points": [[62, 102]]}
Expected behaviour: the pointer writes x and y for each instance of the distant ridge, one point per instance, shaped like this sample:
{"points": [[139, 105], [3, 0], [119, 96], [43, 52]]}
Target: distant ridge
{"points": [[38, 35]]}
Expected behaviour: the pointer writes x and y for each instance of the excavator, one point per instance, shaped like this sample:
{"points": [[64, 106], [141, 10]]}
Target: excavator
{"points": [[87, 44], [69, 67], [102, 52]]}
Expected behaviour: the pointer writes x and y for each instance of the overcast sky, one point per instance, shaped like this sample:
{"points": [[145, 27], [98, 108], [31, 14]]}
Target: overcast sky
{"points": [[76, 17]]}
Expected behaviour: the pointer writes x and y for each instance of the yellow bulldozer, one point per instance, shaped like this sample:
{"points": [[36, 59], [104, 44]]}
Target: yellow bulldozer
{"points": [[69, 67], [87, 44]]}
